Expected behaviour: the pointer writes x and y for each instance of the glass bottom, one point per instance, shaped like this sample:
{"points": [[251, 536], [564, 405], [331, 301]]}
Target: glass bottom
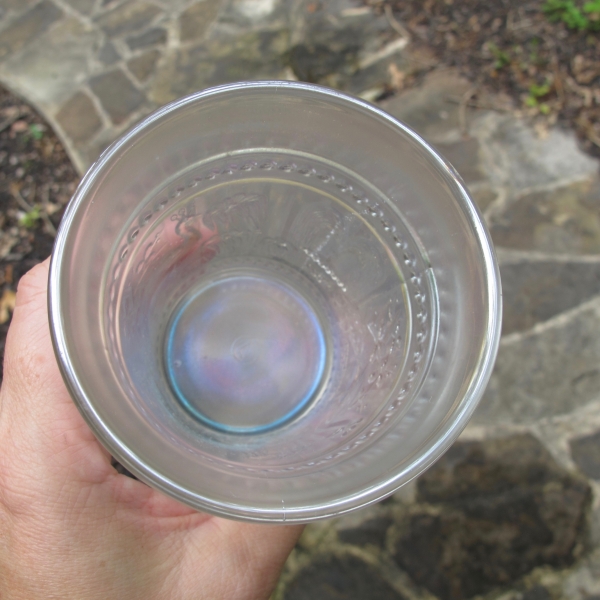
{"points": [[245, 352]]}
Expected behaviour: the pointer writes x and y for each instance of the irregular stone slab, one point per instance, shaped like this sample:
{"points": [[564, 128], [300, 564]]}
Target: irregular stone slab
{"points": [[340, 578], [108, 54], [51, 67], [545, 372], [152, 37], [118, 96], [536, 290], [432, 109], [464, 157], [102, 140], [28, 27], [9, 8], [517, 158], [372, 532], [79, 118], [498, 509], [586, 454], [537, 593], [255, 55], [564, 220], [142, 66], [85, 7], [195, 20], [484, 195], [128, 17], [343, 44]]}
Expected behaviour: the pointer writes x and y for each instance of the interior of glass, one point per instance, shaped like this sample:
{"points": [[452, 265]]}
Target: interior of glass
{"points": [[415, 318]]}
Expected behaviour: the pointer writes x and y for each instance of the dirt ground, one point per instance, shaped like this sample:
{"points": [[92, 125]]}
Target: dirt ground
{"points": [[37, 180], [546, 70]]}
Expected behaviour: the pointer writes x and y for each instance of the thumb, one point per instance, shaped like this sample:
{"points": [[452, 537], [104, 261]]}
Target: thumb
{"points": [[30, 364], [37, 413]]}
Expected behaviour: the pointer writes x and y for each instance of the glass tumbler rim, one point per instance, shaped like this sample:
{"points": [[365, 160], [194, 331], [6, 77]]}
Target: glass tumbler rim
{"points": [[448, 431]]}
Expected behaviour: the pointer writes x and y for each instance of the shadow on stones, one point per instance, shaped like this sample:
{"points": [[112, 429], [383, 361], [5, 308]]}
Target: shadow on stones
{"points": [[329, 52], [340, 578], [370, 533], [585, 452], [535, 291], [314, 62], [489, 513]]}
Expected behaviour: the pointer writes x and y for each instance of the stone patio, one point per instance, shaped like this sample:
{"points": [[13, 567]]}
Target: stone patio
{"points": [[513, 510]]}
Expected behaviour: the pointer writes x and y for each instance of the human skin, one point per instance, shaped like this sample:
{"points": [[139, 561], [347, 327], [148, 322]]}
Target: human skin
{"points": [[71, 527]]}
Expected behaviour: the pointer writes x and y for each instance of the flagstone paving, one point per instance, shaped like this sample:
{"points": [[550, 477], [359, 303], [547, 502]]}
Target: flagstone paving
{"points": [[512, 511]]}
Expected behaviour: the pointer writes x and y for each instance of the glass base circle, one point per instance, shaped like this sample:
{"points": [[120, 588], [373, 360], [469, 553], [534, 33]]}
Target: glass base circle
{"points": [[245, 353]]}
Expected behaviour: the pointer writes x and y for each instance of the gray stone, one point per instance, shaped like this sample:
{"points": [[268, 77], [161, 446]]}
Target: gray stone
{"points": [[546, 372], [317, 62], [371, 532], [536, 290], [255, 55], [118, 96], [464, 157], [564, 220], [28, 27], [537, 593], [586, 454], [194, 21], [152, 37], [497, 509], [16, 6], [85, 7], [108, 54], [143, 66], [518, 158], [78, 118], [94, 149], [340, 578], [483, 195], [432, 109], [342, 45], [54, 65], [182, 70], [128, 17]]}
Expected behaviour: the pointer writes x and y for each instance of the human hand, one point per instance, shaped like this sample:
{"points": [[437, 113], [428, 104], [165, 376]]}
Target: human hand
{"points": [[71, 527]]}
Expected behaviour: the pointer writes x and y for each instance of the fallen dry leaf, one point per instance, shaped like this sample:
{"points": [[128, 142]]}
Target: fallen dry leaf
{"points": [[7, 305], [397, 77], [7, 242], [19, 126]]}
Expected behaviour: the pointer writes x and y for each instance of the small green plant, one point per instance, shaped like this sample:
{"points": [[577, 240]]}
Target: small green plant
{"points": [[586, 18], [36, 131], [593, 10], [502, 58], [30, 218], [544, 108], [539, 91], [536, 93]]}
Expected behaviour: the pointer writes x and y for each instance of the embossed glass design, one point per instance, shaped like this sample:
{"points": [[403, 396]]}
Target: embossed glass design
{"points": [[274, 302]]}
